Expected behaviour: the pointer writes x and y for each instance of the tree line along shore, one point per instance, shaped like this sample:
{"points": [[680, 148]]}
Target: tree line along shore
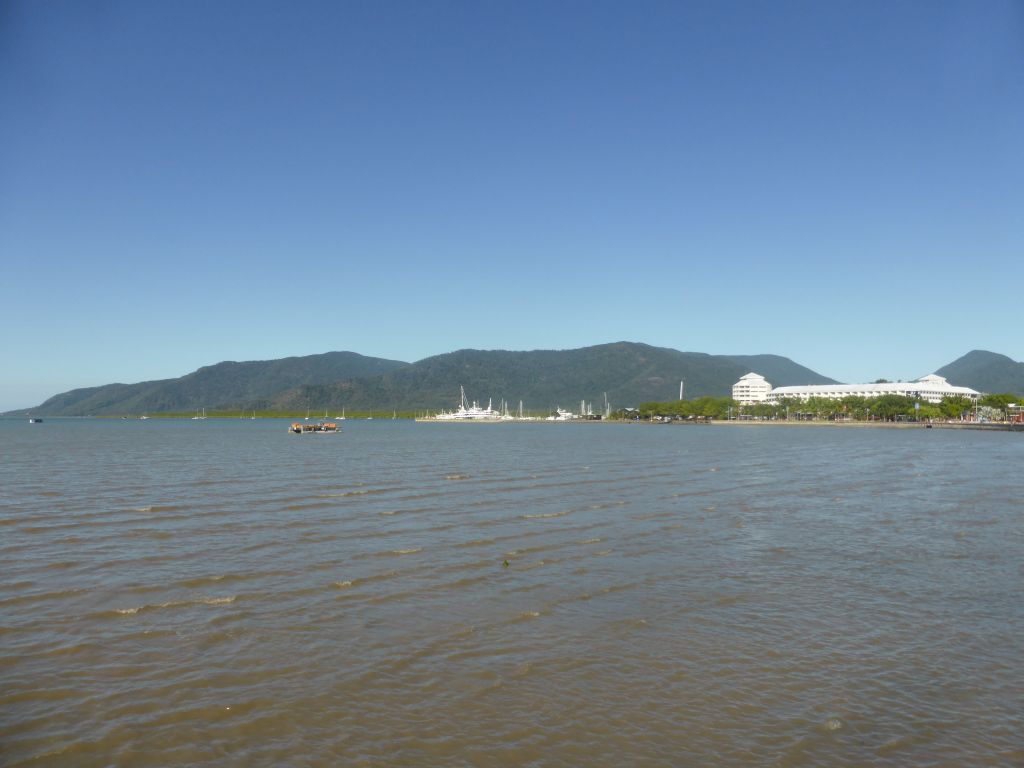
{"points": [[1003, 407]]}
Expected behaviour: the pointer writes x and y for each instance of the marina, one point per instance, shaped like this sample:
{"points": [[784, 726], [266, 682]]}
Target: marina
{"points": [[467, 411]]}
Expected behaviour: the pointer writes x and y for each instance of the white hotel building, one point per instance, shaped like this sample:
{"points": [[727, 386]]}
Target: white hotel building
{"points": [[753, 388], [750, 389]]}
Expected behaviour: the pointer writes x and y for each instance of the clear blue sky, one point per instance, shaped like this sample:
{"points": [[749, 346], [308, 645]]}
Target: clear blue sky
{"points": [[188, 182]]}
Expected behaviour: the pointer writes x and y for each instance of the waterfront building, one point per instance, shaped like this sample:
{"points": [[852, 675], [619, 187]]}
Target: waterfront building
{"points": [[930, 388], [750, 389]]}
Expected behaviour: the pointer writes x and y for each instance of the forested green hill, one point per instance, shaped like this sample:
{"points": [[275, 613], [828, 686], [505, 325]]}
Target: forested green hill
{"points": [[985, 372], [630, 373]]}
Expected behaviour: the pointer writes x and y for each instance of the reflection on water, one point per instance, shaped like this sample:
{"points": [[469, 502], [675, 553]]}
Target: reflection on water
{"points": [[180, 593]]}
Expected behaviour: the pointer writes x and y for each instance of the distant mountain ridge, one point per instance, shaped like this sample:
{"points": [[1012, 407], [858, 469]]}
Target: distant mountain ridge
{"points": [[628, 372], [224, 385], [986, 372]]}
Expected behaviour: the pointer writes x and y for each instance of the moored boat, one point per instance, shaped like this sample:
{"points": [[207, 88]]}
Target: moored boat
{"points": [[560, 415], [302, 428], [467, 412]]}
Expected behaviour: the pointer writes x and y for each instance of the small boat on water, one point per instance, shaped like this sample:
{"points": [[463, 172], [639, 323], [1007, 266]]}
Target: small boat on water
{"points": [[35, 421], [302, 428]]}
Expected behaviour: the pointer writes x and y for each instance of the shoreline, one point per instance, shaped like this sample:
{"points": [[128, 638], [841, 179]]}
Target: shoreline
{"points": [[991, 427]]}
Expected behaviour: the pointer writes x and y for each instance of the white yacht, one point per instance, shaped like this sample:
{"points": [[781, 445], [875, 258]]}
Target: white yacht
{"points": [[467, 412], [560, 415]]}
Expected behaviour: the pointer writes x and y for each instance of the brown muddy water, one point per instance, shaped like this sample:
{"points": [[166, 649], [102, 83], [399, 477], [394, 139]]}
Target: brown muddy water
{"points": [[223, 593]]}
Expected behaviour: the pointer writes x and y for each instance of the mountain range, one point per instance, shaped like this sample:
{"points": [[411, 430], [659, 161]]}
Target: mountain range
{"points": [[628, 372]]}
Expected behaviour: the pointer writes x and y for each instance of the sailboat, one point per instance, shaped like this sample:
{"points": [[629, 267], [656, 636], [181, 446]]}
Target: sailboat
{"points": [[342, 417]]}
